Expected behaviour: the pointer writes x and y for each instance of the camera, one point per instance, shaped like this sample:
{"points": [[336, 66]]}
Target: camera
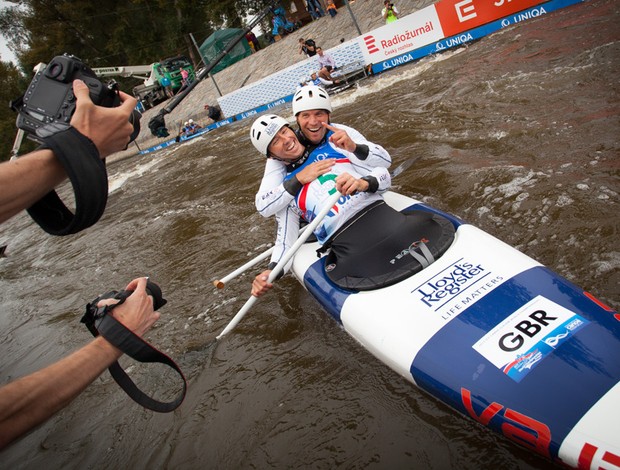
{"points": [[49, 97], [152, 289]]}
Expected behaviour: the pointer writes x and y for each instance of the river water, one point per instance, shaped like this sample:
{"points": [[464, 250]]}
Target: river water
{"points": [[518, 134]]}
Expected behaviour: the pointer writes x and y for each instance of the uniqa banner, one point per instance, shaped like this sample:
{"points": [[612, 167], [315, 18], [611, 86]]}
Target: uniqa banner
{"points": [[457, 16], [434, 23]]}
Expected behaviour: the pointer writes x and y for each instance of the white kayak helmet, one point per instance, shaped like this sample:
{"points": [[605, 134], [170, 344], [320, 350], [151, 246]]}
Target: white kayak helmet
{"points": [[311, 97], [264, 130]]}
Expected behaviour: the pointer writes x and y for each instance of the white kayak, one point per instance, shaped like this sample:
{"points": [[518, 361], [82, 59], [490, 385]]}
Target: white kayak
{"points": [[493, 334]]}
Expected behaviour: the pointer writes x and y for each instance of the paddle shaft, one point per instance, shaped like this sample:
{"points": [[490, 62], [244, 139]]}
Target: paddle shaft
{"points": [[284, 261], [221, 283]]}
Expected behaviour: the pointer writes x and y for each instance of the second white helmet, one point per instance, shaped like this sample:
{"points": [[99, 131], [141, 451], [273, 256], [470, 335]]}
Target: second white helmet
{"points": [[311, 97], [264, 130]]}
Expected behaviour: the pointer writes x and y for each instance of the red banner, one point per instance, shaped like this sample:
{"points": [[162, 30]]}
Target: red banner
{"points": [[457, 16]]}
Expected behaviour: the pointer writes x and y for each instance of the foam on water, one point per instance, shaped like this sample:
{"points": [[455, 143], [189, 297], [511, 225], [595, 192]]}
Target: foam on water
{"points": [[116, 181]]}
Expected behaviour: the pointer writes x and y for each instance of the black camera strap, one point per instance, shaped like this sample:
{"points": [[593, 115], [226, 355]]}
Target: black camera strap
{"points": [[87, 173], [99, 322]]}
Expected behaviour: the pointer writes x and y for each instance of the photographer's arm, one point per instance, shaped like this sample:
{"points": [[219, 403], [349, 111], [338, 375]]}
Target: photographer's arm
{"points": [[29, 401], [27, 179]]}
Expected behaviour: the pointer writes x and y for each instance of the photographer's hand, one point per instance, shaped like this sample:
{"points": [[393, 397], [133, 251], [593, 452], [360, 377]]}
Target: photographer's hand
{"points": [[136, 313], [108, 128], [27, 402]]}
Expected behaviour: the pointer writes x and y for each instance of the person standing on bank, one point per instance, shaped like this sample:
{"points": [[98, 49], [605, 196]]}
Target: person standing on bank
{"points": [[307, 47], [315, 9], [331, 8], [389, 12]]}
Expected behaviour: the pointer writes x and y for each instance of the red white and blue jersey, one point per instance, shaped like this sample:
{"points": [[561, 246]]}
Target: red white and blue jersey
{"points": [[272, 197], [310, 199]]}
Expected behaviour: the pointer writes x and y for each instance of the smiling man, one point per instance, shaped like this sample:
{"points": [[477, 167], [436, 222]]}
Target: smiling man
{"points": [[312, 109]]}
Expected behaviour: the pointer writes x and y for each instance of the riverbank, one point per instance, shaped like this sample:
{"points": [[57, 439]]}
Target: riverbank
{"points": [[327, 32]]}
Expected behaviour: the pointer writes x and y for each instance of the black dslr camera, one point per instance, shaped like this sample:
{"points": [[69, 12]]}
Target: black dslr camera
{"points": [[49, 97]]}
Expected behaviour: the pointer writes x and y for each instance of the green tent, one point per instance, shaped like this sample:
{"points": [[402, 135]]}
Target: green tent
{"points": [[216, 43]]}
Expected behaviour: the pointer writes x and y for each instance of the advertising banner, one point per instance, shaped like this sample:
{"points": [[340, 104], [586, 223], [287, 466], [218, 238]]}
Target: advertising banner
{"points": [[471, 35], [408, 33], [457, 16]]}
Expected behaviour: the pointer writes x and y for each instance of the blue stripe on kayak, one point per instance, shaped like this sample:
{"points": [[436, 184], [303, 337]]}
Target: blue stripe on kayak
{"points": [[329, 295], [557, 392]]}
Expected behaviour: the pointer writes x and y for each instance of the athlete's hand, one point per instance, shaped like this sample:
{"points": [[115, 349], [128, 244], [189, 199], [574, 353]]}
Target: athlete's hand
{"points": [[260, 285], [347, 184], [314, 170], [340, 138]]}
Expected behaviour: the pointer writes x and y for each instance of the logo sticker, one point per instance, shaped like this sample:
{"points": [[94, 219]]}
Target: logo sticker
{"points": [[527, 336]]}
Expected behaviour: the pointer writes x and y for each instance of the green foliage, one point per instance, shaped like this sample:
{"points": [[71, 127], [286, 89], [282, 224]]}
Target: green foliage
{"points": [[13, 85]]}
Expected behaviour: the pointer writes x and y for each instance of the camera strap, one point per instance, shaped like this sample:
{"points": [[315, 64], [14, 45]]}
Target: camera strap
{"points": [[99, 322], [86, 171]]}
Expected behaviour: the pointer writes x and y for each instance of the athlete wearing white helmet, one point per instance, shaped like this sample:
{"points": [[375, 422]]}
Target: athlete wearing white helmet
{"points": [[312, 107], [302, 189], [264, 130], [311, 97]]}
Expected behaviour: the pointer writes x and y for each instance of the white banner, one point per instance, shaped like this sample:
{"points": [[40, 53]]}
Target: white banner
{"points": [[406, 34]]}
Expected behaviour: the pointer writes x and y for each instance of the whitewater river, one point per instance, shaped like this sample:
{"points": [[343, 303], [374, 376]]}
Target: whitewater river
{"points": [[518, 134]]}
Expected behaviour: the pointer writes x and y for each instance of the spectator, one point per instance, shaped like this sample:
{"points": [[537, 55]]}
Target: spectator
{"points": [[315, 9], [184, 78], [31, 400], [214, 112], [307, 47], [326, 63], [252, 41], [389, 12], [331, 8]]}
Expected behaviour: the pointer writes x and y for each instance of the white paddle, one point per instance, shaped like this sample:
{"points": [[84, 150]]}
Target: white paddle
{"points": [[221, 283], [285, 259]]}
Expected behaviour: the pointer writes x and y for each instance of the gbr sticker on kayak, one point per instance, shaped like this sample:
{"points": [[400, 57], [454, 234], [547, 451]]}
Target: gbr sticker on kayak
{"points": [[528, 335]]}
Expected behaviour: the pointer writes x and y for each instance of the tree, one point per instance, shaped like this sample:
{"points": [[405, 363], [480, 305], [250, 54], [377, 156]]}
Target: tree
{"points": [[14, 84], [114, 32]]}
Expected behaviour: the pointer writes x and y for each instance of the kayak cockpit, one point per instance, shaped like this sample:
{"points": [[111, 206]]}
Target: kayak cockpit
{"points": [[416, 239]]}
